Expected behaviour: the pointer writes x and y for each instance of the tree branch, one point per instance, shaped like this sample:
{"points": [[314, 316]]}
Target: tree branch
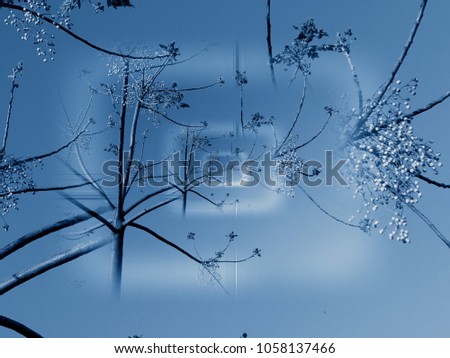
{"points": [[16, 70], [429, 224], [316, 135], [38, 190], [51, 263], [354, 76], [91, 212], [269, 43], [297, 116], [46, 230], [18, 327], [400, 61], [167, 242], [326, 212], [146, 211], [432, 182], [75, 36], [428, 106], [49, 154]]}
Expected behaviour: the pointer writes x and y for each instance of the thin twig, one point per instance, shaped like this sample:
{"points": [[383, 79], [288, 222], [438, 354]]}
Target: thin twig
{"points": [[38, 190], [394, 72], [146, 211], [49, 154], [181, 250], [269, 43], [429, 224], [16, 70], [316, 135], [297, 116], [326, 212], [145, 198]]}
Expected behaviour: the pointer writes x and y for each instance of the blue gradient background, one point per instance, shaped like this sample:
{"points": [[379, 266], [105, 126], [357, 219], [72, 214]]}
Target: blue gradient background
{"points": [[316, 277]]}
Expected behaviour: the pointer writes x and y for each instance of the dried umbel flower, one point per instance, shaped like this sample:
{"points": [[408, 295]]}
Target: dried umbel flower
{"points": [[387, 157]]}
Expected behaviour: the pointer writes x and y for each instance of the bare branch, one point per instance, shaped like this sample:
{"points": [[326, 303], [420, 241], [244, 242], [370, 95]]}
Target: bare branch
{"points": [[16, 70], [91, 212], [399, 63], [326, 212], [429, 224], [132, 146], [428, 106], [316, 135], [297, 116], [165, 116], [91, 180], [18, 327], [37, 190], [167, 242], [51, 263], [179, 249], [145, 198], [46, 230], [145, 212], [433, 182], [269, 43]]}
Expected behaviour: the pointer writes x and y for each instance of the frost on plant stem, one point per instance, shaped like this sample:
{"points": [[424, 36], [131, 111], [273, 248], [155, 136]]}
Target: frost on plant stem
{"points": [[14, 177], [210, 267], [386, 159]]}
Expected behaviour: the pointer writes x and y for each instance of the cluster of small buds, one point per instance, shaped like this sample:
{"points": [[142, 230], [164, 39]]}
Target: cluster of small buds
{"points": [[30, 26], [388, 157], [14, 176], [289, 168]]}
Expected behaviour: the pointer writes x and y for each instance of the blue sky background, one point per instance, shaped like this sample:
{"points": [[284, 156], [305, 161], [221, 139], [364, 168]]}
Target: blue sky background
{"points": [[316, 277]]}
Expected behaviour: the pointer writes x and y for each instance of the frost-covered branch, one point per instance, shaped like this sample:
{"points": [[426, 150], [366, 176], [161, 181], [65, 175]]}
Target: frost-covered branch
{"points": [[77, 37], [51, 263], [269, 42], [352, 67], [17, 70], [428, 106], [45, 231], [49, 154]]}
